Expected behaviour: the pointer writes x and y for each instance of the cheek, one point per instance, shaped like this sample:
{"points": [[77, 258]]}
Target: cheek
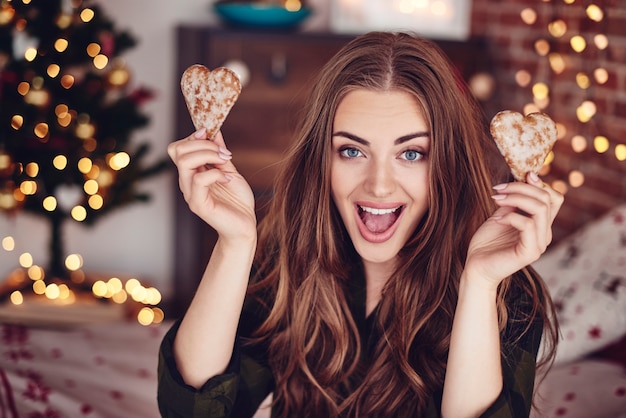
{"points": [[338, 182]]}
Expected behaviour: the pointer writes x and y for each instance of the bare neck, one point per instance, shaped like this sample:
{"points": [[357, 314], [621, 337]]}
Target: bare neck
{"points": [[376, 277]]}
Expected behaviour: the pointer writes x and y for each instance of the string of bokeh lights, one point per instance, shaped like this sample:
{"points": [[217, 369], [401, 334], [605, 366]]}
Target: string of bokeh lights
{"points": [[112, 289], [558, 31]]}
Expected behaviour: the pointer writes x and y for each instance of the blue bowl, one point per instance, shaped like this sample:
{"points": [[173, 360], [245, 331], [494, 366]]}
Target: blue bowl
{"points": [[260, 16]]}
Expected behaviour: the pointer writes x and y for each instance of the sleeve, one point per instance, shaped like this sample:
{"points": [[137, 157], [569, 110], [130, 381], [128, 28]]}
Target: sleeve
{"points": [[518, 363], [236, 393]]}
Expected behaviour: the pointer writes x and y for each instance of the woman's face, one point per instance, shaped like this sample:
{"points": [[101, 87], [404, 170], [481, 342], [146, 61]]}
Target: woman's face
{"points": [[379, 170]]}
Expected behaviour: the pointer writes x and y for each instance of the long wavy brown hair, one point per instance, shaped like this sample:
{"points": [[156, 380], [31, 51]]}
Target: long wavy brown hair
{"points": [[305, 259]]}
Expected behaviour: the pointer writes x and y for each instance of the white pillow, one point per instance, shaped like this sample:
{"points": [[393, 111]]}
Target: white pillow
{"points": [[586, 277]]}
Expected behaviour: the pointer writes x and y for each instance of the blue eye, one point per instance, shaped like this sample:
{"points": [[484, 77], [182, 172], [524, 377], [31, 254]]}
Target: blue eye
{"points": [[350, 152], [412, 155]]}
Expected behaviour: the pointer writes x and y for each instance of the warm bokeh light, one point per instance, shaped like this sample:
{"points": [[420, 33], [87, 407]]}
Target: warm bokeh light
{"points": [[601, 75], [39, 287], [84, 165], [557, 62], [61, 44], [67, 81], [87, 15], [145, 316], [93, 49], [557, 28], [576, 178], [41, 130], [79, 213], [28, 187], [60, 162], [99, 288], [26, 260], [73, 262], [53, 70], [523, 78], [578, 43], [541, 91], [601, 144], [131, 284], [620, 152], [119, 161], [529, 16], [17, 121], [595, 13], [601, 41], [32, 169], [95, 202], [52, 291], [586, 111], [579, 143], [17, 298], [159, 315], [50, 203], [23, 88], [583, 81], [542, 47], [91, 187], [36, 273], [293, 5], [30, 54], [100, 61], [8, 243]]}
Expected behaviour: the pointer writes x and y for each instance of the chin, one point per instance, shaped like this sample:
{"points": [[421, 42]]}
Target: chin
{"points": [[377, 253]]}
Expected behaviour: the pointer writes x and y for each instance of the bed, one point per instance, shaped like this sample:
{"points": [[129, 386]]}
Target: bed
{"points": [[109, 369]]}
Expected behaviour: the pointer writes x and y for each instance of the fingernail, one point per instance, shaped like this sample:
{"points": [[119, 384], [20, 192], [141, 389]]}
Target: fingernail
{"points": [[225, 151], [228, 177], [224, 156], [200, 133], [498, 197], [534, 177], [501, 186]]}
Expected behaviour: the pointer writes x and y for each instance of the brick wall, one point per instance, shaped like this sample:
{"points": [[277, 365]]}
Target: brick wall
{"points": [[512, 41]]}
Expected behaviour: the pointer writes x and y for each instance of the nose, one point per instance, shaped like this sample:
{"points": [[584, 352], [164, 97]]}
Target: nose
{"points": [[380, 180]]}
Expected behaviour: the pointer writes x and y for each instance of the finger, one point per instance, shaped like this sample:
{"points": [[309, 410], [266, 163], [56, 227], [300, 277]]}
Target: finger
{"points": [[556, 198], [529, 246], [192, 158], [218, 139], [199, 195], [534, 202], [537, 211]]}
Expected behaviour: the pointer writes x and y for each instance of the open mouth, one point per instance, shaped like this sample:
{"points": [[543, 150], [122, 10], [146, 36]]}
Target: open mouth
{"points": [[378, 221]]}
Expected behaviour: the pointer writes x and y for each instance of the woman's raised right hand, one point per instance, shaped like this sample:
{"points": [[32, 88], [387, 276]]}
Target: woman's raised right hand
{"points": [[212, 186]]}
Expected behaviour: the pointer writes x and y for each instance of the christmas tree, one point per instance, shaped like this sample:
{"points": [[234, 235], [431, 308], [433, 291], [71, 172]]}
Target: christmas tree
{"points": [[67, 114]]}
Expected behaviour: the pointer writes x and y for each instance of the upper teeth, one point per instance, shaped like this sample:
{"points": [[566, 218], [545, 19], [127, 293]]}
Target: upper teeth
{"points": [[375, 211]]}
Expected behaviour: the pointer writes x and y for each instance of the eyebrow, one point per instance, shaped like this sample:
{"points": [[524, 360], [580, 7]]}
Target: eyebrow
{"points": [[397, 141]]}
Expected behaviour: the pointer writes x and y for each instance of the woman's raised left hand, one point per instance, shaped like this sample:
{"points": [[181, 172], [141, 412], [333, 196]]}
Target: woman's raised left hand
{"points": [[517, 233]]}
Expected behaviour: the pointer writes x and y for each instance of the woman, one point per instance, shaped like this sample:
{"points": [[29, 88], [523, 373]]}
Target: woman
{"points": [[389, 278]]}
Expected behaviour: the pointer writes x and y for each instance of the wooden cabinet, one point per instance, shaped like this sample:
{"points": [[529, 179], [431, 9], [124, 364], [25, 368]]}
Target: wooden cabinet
{"points": [[260, 126]]}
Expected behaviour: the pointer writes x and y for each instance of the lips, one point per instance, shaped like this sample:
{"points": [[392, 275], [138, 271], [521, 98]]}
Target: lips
{"points": [[378, 224]]}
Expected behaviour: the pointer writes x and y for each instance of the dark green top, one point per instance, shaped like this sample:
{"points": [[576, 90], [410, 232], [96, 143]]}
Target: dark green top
{"points": [[247, 380]]}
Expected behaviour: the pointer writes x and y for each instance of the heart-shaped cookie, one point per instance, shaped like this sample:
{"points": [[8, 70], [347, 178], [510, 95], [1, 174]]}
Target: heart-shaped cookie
{"points": [[523, 141], [209, 95]]}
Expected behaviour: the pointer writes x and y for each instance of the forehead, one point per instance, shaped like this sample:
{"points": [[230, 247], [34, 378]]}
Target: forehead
{"points": [[368, 111]]}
